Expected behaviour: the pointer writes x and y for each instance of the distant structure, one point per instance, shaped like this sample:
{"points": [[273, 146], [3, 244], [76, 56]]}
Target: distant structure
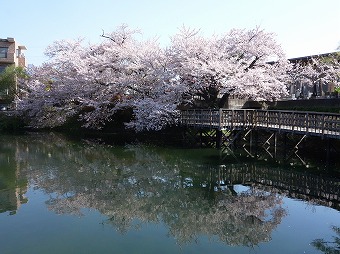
{"points": [[301, 90], [11, 53]]}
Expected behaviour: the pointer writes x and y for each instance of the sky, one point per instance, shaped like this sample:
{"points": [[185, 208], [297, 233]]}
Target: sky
{"points": [[302, 27]]}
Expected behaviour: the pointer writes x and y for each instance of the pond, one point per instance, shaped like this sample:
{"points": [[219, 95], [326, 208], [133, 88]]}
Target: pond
{"points": [[84, 196]]}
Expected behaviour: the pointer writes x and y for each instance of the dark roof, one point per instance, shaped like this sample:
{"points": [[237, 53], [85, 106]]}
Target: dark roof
{"points": [[306, 58]]}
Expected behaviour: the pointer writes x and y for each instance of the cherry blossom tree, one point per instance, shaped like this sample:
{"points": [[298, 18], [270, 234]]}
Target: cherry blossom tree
{"points": [[243, 63], [316, 71], [91, 83]]}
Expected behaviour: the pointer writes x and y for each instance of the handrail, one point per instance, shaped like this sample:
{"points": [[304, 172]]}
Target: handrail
{"points": [[305, 122]]}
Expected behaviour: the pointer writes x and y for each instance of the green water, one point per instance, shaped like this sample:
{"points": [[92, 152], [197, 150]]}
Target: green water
{"points": [[63, 196]]}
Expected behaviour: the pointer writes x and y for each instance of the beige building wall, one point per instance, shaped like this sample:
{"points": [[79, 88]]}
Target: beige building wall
{"points": [[14, 53]]}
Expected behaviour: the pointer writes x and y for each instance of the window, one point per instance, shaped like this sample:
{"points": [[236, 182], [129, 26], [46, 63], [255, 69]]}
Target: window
{"points": [[3, 52], [2, 68]]}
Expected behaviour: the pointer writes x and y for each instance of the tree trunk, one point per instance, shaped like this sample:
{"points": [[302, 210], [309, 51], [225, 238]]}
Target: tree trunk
{"points": [[223, 100]]}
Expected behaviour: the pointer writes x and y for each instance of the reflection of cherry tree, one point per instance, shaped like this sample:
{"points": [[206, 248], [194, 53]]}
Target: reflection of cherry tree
{"points": [[148, 185]]}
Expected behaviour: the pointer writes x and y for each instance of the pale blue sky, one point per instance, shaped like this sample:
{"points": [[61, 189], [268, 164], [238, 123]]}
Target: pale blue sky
{"points": [[303, 27]]}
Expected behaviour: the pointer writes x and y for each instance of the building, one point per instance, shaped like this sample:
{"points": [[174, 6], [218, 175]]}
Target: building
{"points": [[11, 53]]}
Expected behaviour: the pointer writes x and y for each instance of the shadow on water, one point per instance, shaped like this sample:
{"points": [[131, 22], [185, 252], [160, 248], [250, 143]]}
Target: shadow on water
{"points": [[192, 191]]}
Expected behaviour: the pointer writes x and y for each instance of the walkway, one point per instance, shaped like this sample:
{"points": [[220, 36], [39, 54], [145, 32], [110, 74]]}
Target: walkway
{"points": [[299, 122]]}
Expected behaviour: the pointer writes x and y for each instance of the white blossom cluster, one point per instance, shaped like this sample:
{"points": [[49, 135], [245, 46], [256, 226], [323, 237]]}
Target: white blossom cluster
{"points": [[317, 70], [92, 82]]}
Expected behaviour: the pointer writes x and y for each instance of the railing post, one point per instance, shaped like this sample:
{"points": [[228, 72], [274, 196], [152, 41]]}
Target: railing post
{"points": [[307, 122], [244, 117], [255, 118], [232, 118], [323, 125], [194, 116], [183, 121], [220, 119], [280, 121]]}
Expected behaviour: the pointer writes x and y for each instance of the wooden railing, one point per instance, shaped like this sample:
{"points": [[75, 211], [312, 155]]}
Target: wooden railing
{"points": [[297, 184], [309, 123]]}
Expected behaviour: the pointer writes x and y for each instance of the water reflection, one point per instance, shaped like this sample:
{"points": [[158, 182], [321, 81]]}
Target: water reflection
{"points": [[13, 185], [240, 204]]}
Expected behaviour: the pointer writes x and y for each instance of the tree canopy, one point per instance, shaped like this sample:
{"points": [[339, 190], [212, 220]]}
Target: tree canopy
{"points": [[8, 81], [93, 82], [317, 70]]}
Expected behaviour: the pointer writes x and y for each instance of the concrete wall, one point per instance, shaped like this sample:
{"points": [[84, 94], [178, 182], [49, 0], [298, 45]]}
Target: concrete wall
{"points": [[332, 105], [243, 104]]}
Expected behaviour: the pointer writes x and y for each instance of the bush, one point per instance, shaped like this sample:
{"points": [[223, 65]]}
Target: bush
{"points": [[10, 123]]}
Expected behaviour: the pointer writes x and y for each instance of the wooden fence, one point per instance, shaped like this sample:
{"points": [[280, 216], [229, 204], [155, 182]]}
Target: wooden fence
{"points": [[301, 122]]}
